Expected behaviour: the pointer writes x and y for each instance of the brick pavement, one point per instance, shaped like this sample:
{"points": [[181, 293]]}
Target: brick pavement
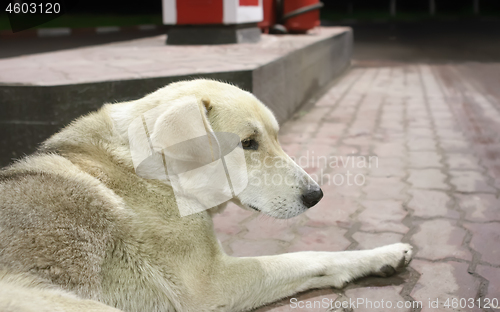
{"points": [[435, 184]]}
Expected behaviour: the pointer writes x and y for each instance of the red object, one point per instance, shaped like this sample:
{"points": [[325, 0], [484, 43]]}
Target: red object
{"points": [[200, 11], [269, 15], [249, 2], [302, 22]]}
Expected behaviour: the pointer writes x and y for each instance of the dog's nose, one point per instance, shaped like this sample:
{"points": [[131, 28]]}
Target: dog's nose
{"points": [[312, 197]]}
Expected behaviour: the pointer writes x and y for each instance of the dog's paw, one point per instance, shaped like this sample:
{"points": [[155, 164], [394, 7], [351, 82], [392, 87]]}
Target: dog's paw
{"points": [[392, 258]]}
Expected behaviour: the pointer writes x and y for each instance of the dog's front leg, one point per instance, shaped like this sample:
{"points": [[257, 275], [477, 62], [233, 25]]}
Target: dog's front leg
{"points": [[241, 284]]}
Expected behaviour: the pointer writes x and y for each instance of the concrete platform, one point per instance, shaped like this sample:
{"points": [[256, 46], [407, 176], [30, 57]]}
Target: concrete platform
{"points": [[41, 93]]}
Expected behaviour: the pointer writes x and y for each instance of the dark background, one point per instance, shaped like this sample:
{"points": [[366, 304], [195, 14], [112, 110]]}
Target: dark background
{"points": [[154, 6], [443, 6]]}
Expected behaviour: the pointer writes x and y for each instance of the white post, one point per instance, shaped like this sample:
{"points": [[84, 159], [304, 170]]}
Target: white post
{"points": [[392, 7], [476, 7], [432, 7], [169, 12]]}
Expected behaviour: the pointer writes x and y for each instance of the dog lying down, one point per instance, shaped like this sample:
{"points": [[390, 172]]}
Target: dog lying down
{"points": [[114, 211]]}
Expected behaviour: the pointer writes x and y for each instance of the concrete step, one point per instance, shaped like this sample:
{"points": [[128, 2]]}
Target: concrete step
{"points": [[41, 93]]}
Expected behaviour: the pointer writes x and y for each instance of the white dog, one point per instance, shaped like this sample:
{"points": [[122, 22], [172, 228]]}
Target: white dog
{"points": [[81, 230]]}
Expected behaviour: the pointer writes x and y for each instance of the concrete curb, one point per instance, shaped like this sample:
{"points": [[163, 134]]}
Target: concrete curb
{"points": [[66, 31]]}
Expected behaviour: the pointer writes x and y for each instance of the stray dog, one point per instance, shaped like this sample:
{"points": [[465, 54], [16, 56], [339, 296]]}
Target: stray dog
{"points": [[80, 230]]}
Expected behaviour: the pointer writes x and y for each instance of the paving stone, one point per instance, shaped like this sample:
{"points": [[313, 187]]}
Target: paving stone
{"points": [[365, 140], [394, 104], [384, 188], [480, 207], [424, 160], [314, 114], [421, 144], [347, 191], [332, 210], [447, 133], [342, 114], [420, 132], [439, 239], [300, 126], [470, 181], [285, 137], [327, 100], [420, 123], [428, 204], [331, 130], [427, 179], [463, 161], [391, 116], [336, 179], [493, 276], [383, 136], [447, 125], [453, 145], [438, 104], [374, 240], [359, 129], [353, 164], [319, 300], [392, 149], [382, 215], [388, 167], [442, 115], [443, 281], [485, 238], [320, 239], [292, 150], [311, 157], [264, 227], [315, 149], [228, 222], [248, 248], [418, 113], [392, 125]]}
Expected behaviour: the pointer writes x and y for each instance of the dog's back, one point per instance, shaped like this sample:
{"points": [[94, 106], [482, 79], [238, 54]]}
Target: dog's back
{"points": [[75, 218], [55, 222]]}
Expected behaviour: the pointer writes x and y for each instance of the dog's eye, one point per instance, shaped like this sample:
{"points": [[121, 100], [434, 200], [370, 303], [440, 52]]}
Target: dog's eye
{"points": [[249, 144]]}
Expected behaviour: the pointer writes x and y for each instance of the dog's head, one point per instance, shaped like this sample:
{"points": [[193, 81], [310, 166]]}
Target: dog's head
{"points": [[276, 185]]}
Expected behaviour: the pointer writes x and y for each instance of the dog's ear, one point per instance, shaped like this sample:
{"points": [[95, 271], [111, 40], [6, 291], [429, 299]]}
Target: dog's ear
{"points": [[176, 130], [182, 120], [175, 142]]}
